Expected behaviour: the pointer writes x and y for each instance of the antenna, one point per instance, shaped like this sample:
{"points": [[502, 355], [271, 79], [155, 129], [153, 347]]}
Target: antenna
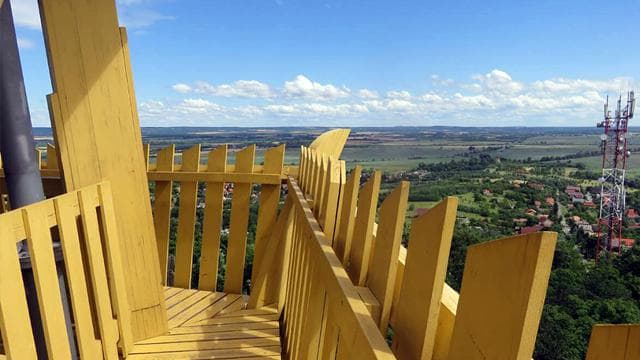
{"points": [[614, 161]]}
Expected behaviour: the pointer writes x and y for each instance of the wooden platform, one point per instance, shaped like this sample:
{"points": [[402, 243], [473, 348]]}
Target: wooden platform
{"points": [[213, 325]]}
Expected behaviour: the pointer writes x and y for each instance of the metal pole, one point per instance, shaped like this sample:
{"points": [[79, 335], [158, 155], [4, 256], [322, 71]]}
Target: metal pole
{"points": [[21, 170], [17, 146]]}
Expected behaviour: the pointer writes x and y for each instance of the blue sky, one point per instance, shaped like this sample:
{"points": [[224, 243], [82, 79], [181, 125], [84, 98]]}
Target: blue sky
{"points": [[356, 63]]}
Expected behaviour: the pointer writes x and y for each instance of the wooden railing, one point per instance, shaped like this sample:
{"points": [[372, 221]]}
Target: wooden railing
{"points": [[222, 181], [323, 315], [405, 289], [84, 223]]}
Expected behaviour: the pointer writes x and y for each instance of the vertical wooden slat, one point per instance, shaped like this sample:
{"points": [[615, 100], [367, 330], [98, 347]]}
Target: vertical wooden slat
{"points": [[109, 331], [424, 275], [302, 174], [363, 230], [52, 157], [239, 220], [187, 219], [44, 273], [145, 154], [614, 342], [88, 347], [329, 204], [15, 327], [268, 206], [212, 223], [162, 207], [320, 192], [314, 165], [384, 260], [342, 244], [489, 324], [119, 299]]}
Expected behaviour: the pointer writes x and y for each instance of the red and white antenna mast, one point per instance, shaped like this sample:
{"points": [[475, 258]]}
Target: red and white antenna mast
{"points": [[614, 161]]}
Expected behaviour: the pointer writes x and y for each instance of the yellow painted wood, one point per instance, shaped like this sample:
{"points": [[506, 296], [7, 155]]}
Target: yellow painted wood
{"points": [[229, 176], [302, 176], [146, 153], [490, 324], [17, 339], [360, 254], [315, 165], [329, 205], [162, 207], [238, 223], [314, 267], [186, 220], [320, 193], [212, 223], [342, 243], [331, 142], [371, 302], [384, 260], [267, 208], [52, 157], [115, 270], [422, 285], [98, 137], [614, 342], [44, 273], [88, 347], [93, 244], [264, 352]]}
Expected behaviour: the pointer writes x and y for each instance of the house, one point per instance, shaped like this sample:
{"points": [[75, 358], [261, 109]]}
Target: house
{"points": [[589, 203], [486, 192], [531, 229], [572, 189], [550, 201], [535, 186]]}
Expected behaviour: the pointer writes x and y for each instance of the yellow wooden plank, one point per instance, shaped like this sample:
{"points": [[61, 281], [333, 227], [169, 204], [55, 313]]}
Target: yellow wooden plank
{"points": [[331, 142], [424, 274], [342, 243], [178, 298], [52, 157], [260, 325], [187, 314], [116, 275], [251, 352], [75, 264], [360, 254], [206, 345], [227, 335], [93, 243], [162, 207], [384, 260], [213, 310], [186, 303], [44, 273], [238, 227], [15, 327], [330, 200], [98, 137], [212, 223], [203, 176], [489, 324], [320, 193], [614, 342], [186, 220], [267, 208]]}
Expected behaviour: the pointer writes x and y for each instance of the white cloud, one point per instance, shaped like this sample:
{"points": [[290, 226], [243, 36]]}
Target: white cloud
{"points": [[240, 88], [24, 43], [26, 13], [367, 94], [303, 87], [498, 81], [405, 95], [182, 88]]}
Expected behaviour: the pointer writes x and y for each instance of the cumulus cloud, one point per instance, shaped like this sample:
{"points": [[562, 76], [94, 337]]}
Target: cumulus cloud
{"points": [[303, 87], [367, 94], [24, 43], [26, 13], [489, 99]]}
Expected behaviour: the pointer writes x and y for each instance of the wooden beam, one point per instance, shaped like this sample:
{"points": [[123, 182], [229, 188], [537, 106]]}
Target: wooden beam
{"points": [[614, 342]]}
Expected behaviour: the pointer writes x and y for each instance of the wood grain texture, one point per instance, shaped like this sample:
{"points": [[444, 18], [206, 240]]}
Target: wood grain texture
{"points": [[384, 260], [238, 227], [98, 136], [614, 342], [187, 220], [342, 243], [490, 324], [423, 281], [162, 207], [360, 254], [212, 223]]}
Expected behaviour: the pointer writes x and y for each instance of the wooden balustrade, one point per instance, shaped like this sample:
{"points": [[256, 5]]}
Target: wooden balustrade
{"points": [[323, 316], [215, 173], [84, 223]]}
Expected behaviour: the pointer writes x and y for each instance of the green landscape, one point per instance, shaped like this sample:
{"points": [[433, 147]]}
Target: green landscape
{"points": [[508, 181]]}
